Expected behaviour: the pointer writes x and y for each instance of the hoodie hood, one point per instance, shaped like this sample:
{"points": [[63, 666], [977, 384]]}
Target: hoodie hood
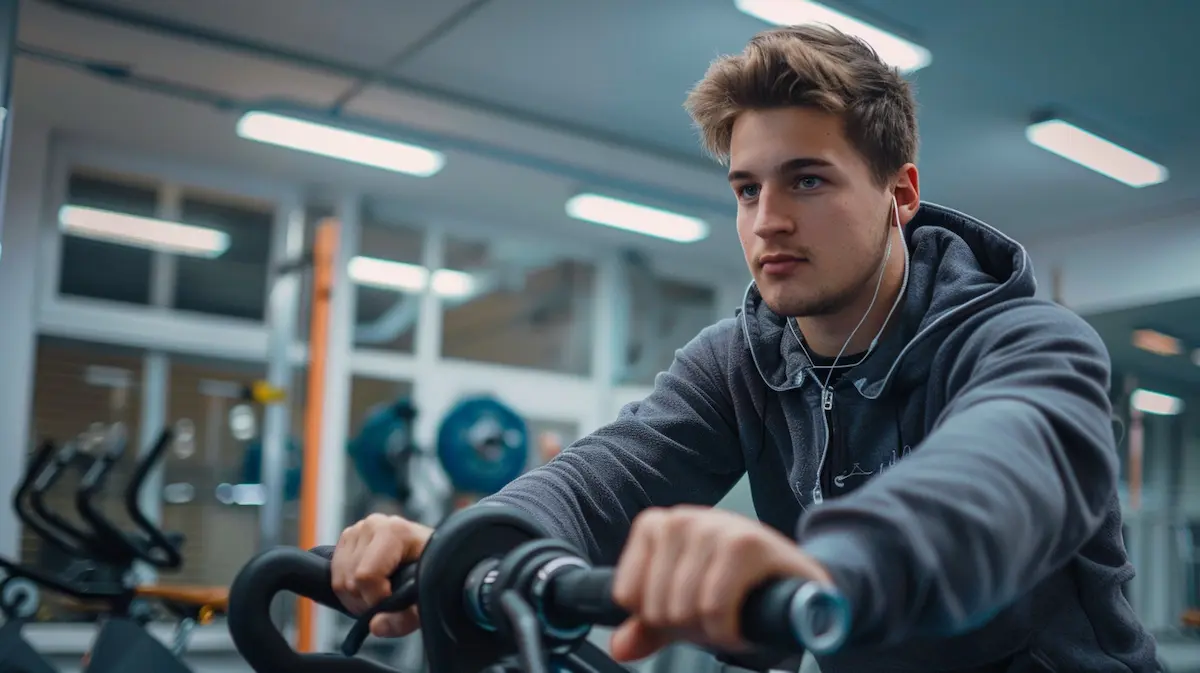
{"points": [[957, 266]]}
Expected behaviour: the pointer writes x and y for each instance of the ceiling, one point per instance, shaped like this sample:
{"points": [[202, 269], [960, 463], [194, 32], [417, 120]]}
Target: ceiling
{"points": [[534, 100], [1175, 374]]}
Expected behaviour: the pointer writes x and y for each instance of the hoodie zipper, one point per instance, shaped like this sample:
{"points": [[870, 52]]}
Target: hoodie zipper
{"points": [[818, 494]]}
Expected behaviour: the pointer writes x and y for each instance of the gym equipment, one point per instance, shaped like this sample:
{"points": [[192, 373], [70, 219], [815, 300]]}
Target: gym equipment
{"points": [[383, 448], [392, 466], [87, 562], [18, 603], [497, 595], [483, 445], [252, 466], [122, 644]]}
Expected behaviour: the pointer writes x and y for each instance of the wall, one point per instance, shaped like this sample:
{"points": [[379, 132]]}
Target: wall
{"points": [[1142, 263], [18, 292]]}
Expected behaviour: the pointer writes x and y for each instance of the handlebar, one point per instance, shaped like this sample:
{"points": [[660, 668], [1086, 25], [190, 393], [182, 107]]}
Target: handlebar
{"points": [[491, 589], [249, 618], [156, 551], [28, 512], [783, 614], [107, 543], [82, 542], [114, 542], [157, 541], [154, 547]]}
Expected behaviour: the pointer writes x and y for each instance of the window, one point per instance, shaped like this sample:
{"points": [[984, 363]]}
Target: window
{"points": [[665, 315], [388, 280], [367, 395], [218, 537], [79, 389], [548, 437], [100, 269], [234, 284], [512, 304]]}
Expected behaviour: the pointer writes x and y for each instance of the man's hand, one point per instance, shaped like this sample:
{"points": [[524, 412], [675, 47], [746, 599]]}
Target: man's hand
{"points": [[366, 556], [685, 572]]}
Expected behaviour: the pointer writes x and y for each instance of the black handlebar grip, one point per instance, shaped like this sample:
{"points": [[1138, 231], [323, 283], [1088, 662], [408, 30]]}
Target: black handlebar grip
{"points": [[786, 615], [580, 596], [766, 618]]}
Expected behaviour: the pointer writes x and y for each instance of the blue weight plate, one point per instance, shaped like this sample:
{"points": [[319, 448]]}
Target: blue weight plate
{"points": [[482, 445]]}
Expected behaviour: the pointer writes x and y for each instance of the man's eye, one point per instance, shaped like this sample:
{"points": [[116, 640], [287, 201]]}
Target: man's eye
{"points": [[809, 182], [748, 191]]}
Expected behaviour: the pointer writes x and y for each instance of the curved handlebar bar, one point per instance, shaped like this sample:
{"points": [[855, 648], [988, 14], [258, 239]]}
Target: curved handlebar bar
{"points": [[31, 513], [84, 542], [115, 542], [249, 619], [157, 550], [169, 556]]}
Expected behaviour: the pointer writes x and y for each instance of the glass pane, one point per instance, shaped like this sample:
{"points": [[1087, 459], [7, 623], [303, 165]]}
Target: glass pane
{"points": [[80, 389], [507, 303], [389, 281], [548, 437], [235, 283], [221, 531], [368, 395], [666, 315], [100, 269]]}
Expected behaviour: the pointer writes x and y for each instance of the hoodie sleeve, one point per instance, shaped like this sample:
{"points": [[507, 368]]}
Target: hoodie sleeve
{"points": [[678, 445], [1017, 475]]}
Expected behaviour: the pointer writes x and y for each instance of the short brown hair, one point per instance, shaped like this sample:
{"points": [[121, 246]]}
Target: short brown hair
{"points": [[818, 67]]}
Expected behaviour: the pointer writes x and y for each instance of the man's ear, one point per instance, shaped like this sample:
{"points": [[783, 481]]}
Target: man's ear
{"points": [[907, 193]]}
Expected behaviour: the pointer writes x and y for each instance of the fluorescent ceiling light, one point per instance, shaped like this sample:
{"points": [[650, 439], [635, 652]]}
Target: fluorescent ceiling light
{"points": [[339, 143], [1091, 151], [403, 277], [142, 232], [637, 218], [1150, 402], [1158, 343], [892, 49]]}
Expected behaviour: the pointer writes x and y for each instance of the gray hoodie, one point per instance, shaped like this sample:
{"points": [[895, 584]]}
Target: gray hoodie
{"points": [[972, 515]]}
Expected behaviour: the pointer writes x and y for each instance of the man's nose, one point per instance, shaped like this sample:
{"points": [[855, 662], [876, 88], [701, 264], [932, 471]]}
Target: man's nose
{"points": [[772, 216]]}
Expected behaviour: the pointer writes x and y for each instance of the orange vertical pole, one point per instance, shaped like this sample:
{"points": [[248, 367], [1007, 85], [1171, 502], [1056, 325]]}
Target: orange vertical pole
{"points": [[1137, 439], [323, 256]]}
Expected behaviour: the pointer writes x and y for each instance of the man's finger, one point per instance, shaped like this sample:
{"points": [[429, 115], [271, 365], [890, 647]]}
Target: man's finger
{"points": [[692, 562], [375, 567], [395, 624], [658, 575], [345, 562], [725, 581], [634, 640], [629, 582]]}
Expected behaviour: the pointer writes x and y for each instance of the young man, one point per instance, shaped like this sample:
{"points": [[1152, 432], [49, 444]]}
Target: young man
{"points": [[918, 430]]}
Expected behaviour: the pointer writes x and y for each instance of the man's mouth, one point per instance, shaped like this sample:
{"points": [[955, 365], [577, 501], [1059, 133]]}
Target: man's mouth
{"points": [[776, 264]]}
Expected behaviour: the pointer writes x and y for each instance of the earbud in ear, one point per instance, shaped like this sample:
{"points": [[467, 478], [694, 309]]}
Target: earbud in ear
{"points": [[896, 212]]}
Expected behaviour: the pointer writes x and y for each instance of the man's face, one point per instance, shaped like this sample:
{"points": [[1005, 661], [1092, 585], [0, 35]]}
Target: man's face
{"points": [[812, 221]]}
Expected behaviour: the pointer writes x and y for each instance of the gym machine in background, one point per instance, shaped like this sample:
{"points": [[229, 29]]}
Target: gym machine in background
{"points": [[101, 581]]}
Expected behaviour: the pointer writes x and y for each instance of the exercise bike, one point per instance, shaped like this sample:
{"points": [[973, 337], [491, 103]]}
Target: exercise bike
{"points": [[122, 644], [497, 595]]}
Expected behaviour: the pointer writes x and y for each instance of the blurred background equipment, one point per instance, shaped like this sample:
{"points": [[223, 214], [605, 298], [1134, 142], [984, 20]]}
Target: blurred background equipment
{"points": [[483, 444]]}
